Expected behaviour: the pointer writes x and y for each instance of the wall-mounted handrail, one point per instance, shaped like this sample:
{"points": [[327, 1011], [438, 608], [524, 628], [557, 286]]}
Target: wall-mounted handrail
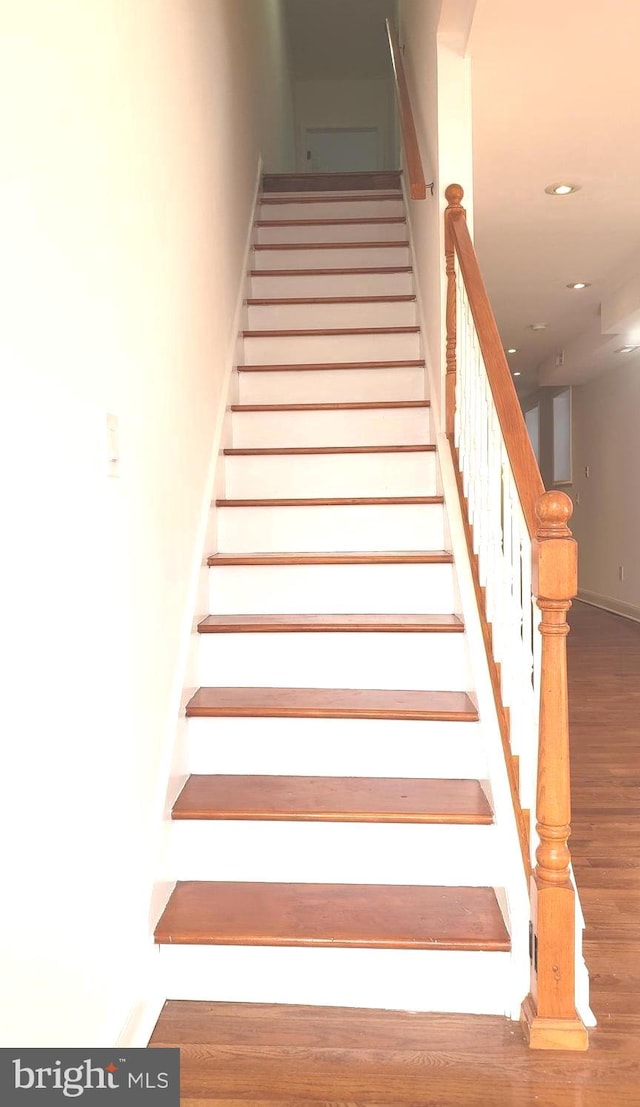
{"points": [[415, 172], [525, 561]]}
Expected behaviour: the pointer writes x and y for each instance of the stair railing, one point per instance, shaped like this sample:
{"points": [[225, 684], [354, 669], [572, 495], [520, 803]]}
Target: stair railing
{"points": [[524, 558], [415, 173]]}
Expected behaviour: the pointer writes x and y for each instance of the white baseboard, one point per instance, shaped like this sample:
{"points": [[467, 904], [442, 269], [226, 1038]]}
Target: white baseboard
{"points": [[140, 1024], [609, 603], [174, 771]]}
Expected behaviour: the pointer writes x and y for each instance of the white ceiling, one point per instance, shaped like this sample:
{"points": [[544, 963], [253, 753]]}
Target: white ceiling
{"points": [[556, 97]]}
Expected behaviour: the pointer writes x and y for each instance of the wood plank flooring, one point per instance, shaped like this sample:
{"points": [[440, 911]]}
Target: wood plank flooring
{"points": [[233, 1055]]}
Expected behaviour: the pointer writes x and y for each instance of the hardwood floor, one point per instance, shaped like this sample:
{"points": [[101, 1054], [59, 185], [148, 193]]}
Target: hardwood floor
{"points": [[239, 1054]]}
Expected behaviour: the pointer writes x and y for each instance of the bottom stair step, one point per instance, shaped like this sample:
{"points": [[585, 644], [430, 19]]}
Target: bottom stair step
{"points": [[405, 917]]}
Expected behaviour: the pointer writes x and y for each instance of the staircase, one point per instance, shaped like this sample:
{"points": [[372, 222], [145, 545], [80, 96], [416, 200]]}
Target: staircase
{"points": [[336, 841]]}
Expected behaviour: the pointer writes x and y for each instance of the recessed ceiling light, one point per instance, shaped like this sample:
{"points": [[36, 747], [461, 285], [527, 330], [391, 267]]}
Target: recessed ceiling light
{"points": [[561, 188], [627, 349], [512, 350], [517, 373], [579, 284], [538, 326]]}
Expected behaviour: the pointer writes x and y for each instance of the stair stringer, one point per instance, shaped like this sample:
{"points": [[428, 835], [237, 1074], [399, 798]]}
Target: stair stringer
{"points": [[519, 907], [516, 906], [174, 770]]}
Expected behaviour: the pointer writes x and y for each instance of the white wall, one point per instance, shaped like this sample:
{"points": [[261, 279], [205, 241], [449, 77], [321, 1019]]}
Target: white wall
{"points": [[606, 520], [269, 45], [130, 158], [346, 103], [434, 33]]}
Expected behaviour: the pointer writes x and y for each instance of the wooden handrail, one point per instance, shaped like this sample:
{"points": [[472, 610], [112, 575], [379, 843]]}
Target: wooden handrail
{"points": [[415, 171], [523, 460], [548, 1014]]}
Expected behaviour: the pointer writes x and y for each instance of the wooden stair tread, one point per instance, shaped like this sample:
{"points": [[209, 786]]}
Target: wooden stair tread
{"points": [[331, 703], [363, 220], [313, 366], [334, 501], [321, 180], [328, 198], [275, 451], [367, 405], [386, 557], [337, 332], [334, 799], [273, 301], [376, 916], [387, 244], [273, 624], [357, 271]]}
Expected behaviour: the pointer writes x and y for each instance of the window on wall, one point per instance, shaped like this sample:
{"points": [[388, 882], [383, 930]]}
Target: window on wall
{"points": [[532, 420], [562, 437]]}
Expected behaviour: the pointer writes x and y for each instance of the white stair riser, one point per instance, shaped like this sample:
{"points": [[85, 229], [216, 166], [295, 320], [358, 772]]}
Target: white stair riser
{"points": [[342, 208], [319, 348], [325, 386], [336, 853], [404, 980], [385, 589], [361, 527], [346, 427], [340, 257], [332, 232], [334, 660], [298, 316], [329, 284], [411, 474], [336, 747]]}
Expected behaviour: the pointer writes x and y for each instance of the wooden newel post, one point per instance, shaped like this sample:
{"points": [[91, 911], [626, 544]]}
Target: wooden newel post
{"points": [[454, 210], [548, 1013]]}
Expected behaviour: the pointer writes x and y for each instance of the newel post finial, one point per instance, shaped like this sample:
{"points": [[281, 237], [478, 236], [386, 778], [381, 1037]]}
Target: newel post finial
{"points": [[549, 1014], [453, 194]]}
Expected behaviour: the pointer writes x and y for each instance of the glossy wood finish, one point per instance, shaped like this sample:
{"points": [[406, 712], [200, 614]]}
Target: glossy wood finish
{"points": [[521, 455], [319, 624], [373, 220], [415, 172], [368, 405], [549, 1014], [330, 182], [373, 916], [271, 301], [235, 1054], [352, 197], [334, 501], [331, 703], [301, 367], [277, 451], [324, 272], [454, 196], [400, 557], [334, 799], [339, 332], [385, 244]]}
